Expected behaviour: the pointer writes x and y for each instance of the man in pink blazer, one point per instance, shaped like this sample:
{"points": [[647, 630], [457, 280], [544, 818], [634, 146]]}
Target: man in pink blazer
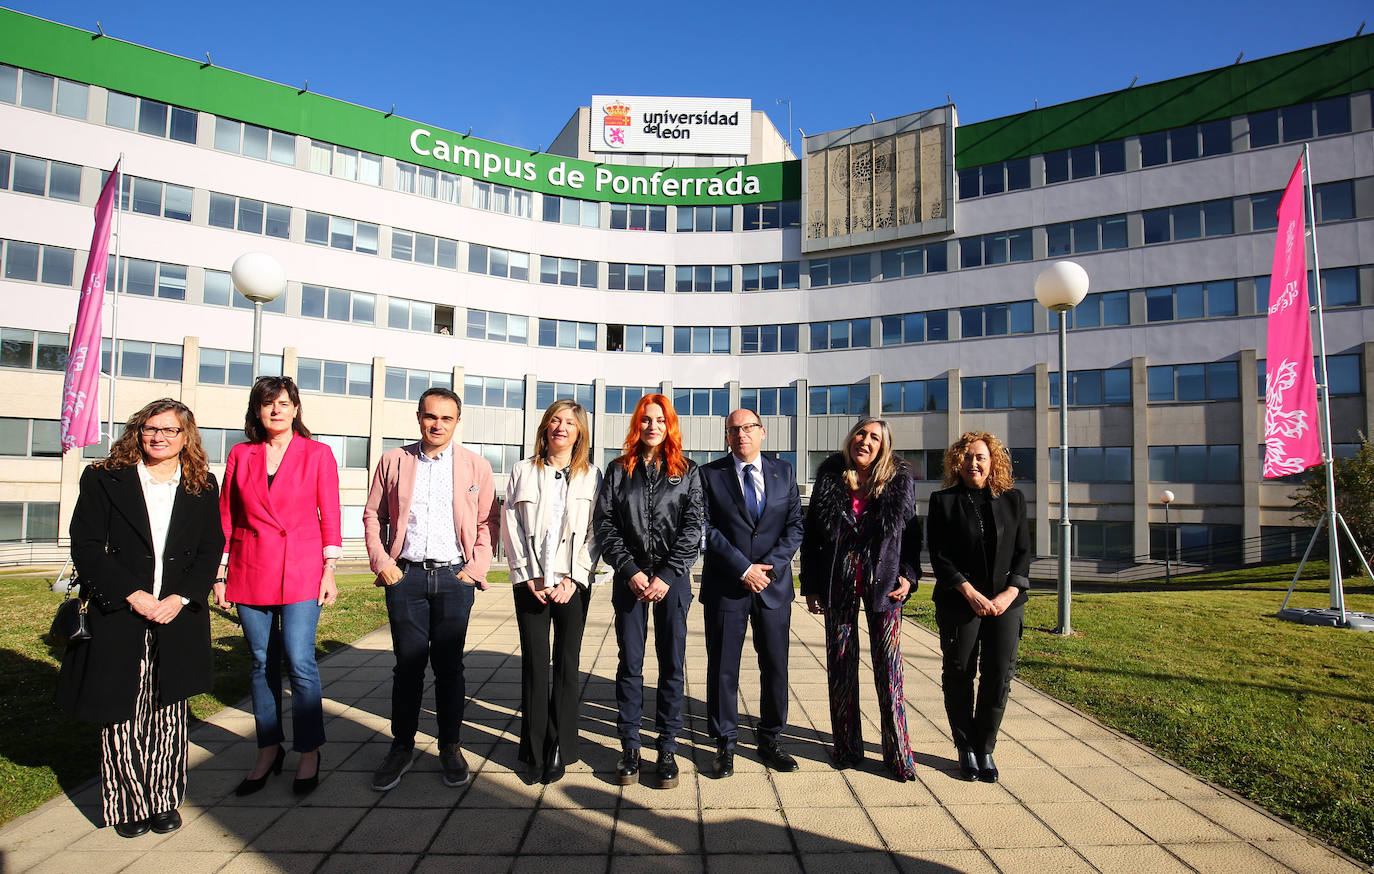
{"points": [[430, 520]]}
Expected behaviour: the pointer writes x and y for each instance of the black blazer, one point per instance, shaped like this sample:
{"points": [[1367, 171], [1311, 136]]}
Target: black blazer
{"points": [[956, 555], [734, 541], [112, 547]]}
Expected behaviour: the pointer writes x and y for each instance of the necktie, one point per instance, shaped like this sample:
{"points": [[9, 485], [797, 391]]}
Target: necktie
{"points": [[751, 498]]}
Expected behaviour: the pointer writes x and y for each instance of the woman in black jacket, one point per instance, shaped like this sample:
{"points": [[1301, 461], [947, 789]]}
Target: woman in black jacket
{"points": [[648, 523], [980, 552], [862, 543], [146, 540]]}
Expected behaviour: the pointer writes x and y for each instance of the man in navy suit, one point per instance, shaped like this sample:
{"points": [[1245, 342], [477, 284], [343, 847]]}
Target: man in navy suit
{"points": [[754, 527]]}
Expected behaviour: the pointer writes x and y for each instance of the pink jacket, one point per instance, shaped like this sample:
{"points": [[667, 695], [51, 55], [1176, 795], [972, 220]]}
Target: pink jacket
{"points": [[276, 537], [476, 515]]}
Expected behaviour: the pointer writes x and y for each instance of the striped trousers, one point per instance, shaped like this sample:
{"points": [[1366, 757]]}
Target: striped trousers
{"points": [[143, 759]]}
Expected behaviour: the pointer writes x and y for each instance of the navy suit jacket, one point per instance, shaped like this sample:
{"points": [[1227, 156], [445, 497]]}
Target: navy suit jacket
{"points": [[734, 541]]}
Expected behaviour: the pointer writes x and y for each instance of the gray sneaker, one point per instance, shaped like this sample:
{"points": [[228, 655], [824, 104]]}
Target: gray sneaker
{"points": [[454, 766], [393, 767]]}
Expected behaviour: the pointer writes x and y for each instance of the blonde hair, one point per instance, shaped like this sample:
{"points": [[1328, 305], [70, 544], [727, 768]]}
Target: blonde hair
{"points": [[884, 467], [999, 479], [581, 446]]}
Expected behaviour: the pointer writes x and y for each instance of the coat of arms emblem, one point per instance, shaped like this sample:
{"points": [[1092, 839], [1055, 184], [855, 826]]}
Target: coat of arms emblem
{"points": [[615, 125]]}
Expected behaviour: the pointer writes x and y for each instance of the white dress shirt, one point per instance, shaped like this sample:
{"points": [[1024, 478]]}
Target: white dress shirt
{"points": [[159, 498], [553, 535], [430, 534]]}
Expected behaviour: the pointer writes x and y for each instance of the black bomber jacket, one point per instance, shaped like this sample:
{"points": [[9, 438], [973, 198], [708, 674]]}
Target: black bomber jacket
{"points": [[649, 523]]}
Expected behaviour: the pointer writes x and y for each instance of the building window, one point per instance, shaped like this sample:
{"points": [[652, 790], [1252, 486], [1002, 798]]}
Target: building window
{"points": [[340, 233], [838, 400], [1189, 221], [428, 183], [1095, 464], [701, 340], [30, 438], [768, 338], [635, 277], [1183, 383], [1344, 370], [638, 217], [770, 401], [27, 175], [571, 211], [1198, 300], [494, 391], [150, 117], [841, 334], [701, 401], [349, 452], [998, 392], [1087, 235], [150, 197], [915, 260], [916, 396], [334, 377], [338, 305], [1094, 387], [1340, 288], [1099, 310], [501, 456], [139, 360], [996, 319], [1293, 124], [148, 278], [1083, 162], [996, 178], [567, 335], [245, 214], [251, 141], [999, 248], [1186, 143], [498, 262], [215, 441], [634, 338], [345, 163], [33, 350], [223, 367], [915, 327], [424, 249], [1100, 541], [1195, 464], [546, 393], [705, 218], [770, 215], [769, 277], [31, 521], [1335, 201], [219, 291], [39, 90], [623, 398], [704, 277], [32, 262], [1264, 210], [1204, 544], [408, 385], [500, 327], [839, 270], [567, 271]]}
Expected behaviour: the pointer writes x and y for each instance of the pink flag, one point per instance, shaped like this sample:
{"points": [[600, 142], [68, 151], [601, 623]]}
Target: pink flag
{"points": [[1290, 386], [81, 388]]}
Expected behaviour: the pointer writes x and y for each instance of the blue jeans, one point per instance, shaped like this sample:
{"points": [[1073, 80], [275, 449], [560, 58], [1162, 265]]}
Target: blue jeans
{"points": [[271, 630], [429, 613], [670, 645]]}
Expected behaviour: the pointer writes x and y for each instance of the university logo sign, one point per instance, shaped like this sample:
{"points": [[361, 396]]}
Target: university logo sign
{"points": [[671, 125], [616, 125]]}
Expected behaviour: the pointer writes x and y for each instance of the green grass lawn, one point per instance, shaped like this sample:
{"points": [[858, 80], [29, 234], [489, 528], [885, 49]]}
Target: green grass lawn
{"points": [[1205, 673]]}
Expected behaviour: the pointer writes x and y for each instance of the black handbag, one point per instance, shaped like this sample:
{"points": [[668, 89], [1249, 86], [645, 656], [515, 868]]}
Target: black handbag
{"points": [[69, 625]]}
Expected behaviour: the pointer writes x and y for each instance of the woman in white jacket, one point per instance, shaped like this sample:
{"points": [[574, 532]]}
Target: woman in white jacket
{"points": [[548, 540]]}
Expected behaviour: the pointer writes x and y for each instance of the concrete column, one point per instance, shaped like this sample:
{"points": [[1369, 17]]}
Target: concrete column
{"points": [[1140, 456], [1367, 361], [733, 387], [533, 412], [375, 417], [190, 370], [598, 420], [1251, 437], [955, 421], [801, 435], [875, 394]]}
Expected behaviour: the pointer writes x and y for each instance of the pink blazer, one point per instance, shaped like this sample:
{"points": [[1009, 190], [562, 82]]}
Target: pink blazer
{"points": [[476, 516], [276, 537]]}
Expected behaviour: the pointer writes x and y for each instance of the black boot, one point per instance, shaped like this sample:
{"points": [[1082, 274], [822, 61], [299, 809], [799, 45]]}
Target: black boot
{"points": [[553, 767], [987, 768], [627, 769], [968, 765], [667, 769]]}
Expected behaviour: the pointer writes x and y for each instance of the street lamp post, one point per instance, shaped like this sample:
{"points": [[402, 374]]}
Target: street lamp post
{"points": [[1060, 287], [260, 278], [1166, 497]]}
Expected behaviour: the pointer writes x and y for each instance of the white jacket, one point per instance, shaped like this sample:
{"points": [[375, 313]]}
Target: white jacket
{"points": [[527, 510]]}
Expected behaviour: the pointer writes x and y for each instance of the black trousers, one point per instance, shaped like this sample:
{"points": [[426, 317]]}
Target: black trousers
{"points": [[726, 621], [670, 646], [550, 682], [972, 644]]}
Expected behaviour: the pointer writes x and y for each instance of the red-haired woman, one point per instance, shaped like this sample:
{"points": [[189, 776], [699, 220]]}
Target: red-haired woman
{"points": [[648, 522]]}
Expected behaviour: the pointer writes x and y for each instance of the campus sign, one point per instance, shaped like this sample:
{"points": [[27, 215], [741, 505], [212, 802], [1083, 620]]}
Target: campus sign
{"points": [[675, 125]]}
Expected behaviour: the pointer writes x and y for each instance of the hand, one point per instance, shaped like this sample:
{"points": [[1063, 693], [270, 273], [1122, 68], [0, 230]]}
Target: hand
{"points": [[1004, 600], [903, 589], [220, 600], [654, 591], [563, 592], [981, 606], [756, 578], [143, 603], [638, 584], [329, 590], [465, 577], [814, 604], [166, 609], [536, 587], [391, 576]]}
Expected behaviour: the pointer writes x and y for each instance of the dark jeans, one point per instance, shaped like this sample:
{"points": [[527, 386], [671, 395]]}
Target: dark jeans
{"points": [[550, 682], [429, 623], [670, 645], [970, 642]]}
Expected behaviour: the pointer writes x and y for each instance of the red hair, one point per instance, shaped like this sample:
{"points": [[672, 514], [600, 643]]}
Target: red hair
{"points": [[671, 447]]}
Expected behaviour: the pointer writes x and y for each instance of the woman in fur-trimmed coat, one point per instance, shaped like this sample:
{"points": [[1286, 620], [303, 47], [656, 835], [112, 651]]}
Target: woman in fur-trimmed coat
{"points": [[862, 543]]}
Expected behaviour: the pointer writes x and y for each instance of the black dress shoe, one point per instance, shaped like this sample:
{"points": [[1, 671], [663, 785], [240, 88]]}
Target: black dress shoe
{"points": [[162, 823], [627, 769], [254, 784], [553, 768], [774, 757], [306, 785], [724, 764], [968, 765], [667, 770], [987, 768], [131, 829]]}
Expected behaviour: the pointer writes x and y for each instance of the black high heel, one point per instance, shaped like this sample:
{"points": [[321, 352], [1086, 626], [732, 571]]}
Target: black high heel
{"points": [[255, 784], [304, 786]]}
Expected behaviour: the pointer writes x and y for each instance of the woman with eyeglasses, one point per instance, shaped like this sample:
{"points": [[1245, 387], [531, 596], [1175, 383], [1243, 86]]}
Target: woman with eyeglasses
{"points": [[861, 549], [145, 540], [280, 512]]}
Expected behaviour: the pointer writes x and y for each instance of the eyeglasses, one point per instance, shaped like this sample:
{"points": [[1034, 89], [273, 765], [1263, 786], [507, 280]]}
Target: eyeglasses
{"points": [[169, 433], [732, 430]]}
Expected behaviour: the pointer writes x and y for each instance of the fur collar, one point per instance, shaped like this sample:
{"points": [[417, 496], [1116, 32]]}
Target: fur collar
{"points": [[891, 509]]}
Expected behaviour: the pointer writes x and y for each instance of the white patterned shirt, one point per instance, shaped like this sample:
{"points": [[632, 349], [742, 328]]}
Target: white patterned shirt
{"points": [[158, 497], [429, 528]]}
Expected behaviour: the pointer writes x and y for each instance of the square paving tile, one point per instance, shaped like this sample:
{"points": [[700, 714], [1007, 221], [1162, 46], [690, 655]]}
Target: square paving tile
{"points": [[1171, 821], [1060, 860], [918, 830], [1225, 858], [1133, 859], [394, 831], [827, 788], [755, 863], [946, 861], [569, 831], [274, 863], [368, 863], [657, 865], [750, 790], [1087, 823], [482, 831], [641, 832], [1311, 857], [745, 831], [309, 829], [849, 863], [1003, 825], [832, 829]]}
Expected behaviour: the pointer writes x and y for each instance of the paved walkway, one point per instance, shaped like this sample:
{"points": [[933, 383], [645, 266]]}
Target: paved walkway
{"points": [[1074, 796]]}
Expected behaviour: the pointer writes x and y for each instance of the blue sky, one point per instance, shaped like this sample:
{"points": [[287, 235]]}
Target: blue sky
{"points": [[514, 72]]}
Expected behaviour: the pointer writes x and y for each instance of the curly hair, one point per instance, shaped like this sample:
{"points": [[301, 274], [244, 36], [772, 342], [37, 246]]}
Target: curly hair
{"points": [[999, 479], [885, 466], [670, 451], [581, 449], [127, 450]]}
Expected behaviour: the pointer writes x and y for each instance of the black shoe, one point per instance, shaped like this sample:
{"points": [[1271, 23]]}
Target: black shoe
{"points": [[249, 785], [724, 764], [165, 822], [393, 767], [131, 829], [774, 757], [553, 768], [968, 765], [987, 768], [454, 766], [667, 770], [306, 785], [627, 769]]}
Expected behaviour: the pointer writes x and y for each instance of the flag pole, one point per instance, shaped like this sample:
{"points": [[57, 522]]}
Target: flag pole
{"points": [[1333, 527], [114, 302]]}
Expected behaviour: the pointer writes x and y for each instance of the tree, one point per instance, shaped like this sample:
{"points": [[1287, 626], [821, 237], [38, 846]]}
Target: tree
{"points": [[1354, 478]]}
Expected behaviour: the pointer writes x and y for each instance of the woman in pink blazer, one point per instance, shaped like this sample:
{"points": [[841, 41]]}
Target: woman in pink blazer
{"points": [[280, 512]]}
